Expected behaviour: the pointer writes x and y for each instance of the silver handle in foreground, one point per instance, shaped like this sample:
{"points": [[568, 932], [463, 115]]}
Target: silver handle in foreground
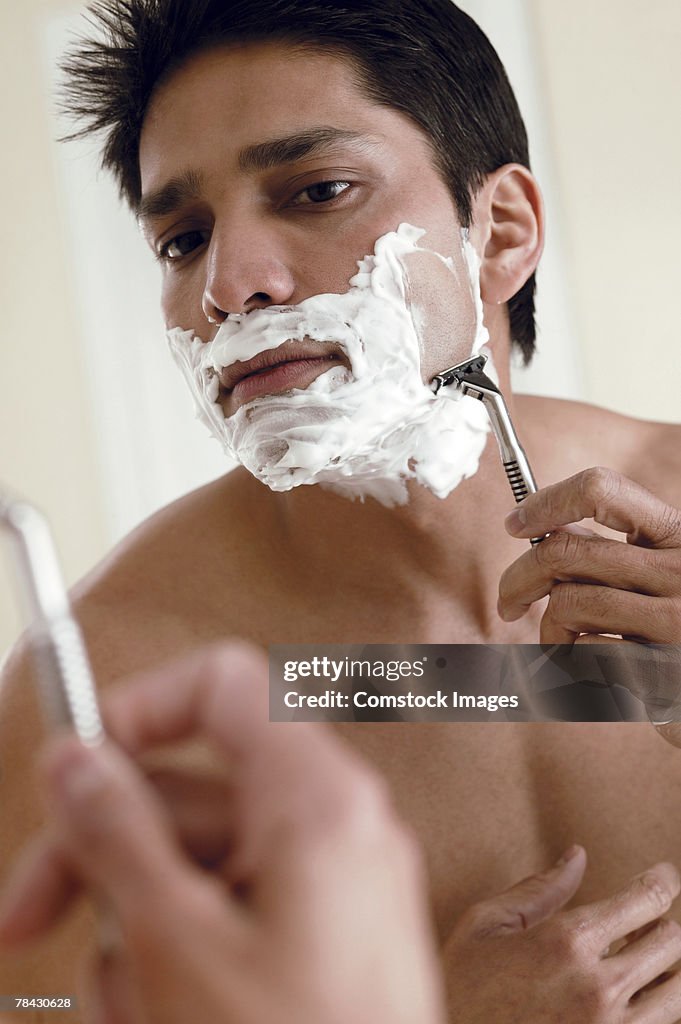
{"points": [[67, 686]]}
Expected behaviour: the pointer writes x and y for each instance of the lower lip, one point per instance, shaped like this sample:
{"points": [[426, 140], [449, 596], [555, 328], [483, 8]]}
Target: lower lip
{"points": [[298, 373]]}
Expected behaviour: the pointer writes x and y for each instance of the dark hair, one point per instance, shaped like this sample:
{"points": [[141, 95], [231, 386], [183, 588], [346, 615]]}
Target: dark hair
{"points": [[425, 58]]}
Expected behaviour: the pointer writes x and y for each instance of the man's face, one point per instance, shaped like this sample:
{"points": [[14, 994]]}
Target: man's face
{"points": [[267, 174]]}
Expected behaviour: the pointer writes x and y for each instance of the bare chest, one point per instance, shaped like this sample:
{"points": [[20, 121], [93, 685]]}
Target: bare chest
{"points": [[494, 803]]}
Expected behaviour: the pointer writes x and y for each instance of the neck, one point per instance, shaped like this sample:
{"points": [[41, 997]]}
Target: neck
{"points": [[428, 561], [428, 554]]}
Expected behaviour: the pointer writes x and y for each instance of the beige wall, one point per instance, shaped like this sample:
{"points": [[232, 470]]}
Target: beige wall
{"points": [[612, 93], [46, 432]]}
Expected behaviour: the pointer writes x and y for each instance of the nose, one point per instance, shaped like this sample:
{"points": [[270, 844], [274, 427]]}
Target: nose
{"points": [[245, 272]]}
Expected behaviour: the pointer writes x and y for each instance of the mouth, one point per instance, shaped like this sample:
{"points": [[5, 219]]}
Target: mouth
{"points": [[291, 365]]}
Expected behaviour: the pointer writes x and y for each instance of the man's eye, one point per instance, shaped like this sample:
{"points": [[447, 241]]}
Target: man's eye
{"points": [[181, 245], [320, 192]]}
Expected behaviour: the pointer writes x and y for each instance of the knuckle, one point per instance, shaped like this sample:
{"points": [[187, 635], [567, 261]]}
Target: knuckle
{"points": [[670, 619], [668, 525], [668, 933], [598, 997], [495, 916], [654, 891], [578, 605], [488, 920], [477, 921], [659, 567], [558, 550], [364, 804], [565, 600], [599, 485], [213, 663], [235, 653], [214, 666], [567, 940]]}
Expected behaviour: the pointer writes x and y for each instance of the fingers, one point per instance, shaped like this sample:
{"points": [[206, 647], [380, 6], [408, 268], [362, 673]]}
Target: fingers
{"points": [[590, 560], [661, 1004], [575, 608], [651, 672], [531, 900], [296, 789], [606, 496], [221, 694], [595, 586], [200, 799], [644, 959], [645, 898], [114, 829], [294, 774]]}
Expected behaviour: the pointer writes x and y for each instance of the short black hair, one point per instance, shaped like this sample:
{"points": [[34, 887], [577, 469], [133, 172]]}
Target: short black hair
{"points": [[425, 58]]}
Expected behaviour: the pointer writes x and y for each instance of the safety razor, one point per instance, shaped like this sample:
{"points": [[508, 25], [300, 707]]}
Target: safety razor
{"points": [[469, 378]]}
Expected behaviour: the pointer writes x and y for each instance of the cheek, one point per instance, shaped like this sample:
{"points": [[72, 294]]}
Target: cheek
{"points": [[181, 297], [443, 310]]}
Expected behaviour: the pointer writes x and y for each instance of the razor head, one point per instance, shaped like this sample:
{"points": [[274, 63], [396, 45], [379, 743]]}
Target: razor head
{"points": [[466, 377]]}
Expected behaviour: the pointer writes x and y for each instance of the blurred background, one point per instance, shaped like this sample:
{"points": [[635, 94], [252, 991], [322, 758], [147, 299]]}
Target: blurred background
{"points": [[95, 424]]}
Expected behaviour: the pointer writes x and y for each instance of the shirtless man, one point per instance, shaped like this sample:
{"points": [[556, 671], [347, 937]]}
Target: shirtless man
{"points": [[490, 803]]}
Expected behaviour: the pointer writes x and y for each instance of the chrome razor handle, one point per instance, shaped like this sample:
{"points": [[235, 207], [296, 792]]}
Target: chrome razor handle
{"points": [[469, 378], [513, 457], [67, 688], [517, 481], [521, 487]]}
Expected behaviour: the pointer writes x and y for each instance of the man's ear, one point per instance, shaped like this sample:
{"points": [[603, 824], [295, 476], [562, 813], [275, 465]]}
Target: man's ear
{"points": [[508, 230]]}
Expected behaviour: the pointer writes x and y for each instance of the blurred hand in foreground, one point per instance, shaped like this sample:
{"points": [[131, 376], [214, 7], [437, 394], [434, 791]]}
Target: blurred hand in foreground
{"points": [[290, 892]]}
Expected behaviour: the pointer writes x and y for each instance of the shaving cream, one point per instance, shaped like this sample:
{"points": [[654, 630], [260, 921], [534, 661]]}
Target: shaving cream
{"points": [[363, 431]]}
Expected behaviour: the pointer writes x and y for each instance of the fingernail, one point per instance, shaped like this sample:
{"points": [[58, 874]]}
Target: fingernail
{"points": [[569, 854], [515, 521]]}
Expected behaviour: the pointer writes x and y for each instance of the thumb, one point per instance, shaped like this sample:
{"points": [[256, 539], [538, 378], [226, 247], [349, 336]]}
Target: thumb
{"points": [[534, 899], [115, 829]]}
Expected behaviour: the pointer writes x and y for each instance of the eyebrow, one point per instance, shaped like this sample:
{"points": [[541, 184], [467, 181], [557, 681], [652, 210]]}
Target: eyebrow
{"points": [[265, 155], [261, 156]]}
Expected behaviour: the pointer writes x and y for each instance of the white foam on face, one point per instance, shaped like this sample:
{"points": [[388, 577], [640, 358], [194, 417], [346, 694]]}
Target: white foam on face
{"points": [[360, 432]]}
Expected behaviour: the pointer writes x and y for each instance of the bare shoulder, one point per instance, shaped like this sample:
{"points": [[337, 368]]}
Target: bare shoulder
{"points": [[138, 607], [156, 594], [566, 437], [147, 602]]}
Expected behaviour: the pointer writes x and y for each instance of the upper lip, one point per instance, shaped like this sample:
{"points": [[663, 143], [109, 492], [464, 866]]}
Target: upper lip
{"points": [[289, 352]]}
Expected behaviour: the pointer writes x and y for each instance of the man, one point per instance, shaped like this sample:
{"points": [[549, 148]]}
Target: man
{"points": [[268, 148]]}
